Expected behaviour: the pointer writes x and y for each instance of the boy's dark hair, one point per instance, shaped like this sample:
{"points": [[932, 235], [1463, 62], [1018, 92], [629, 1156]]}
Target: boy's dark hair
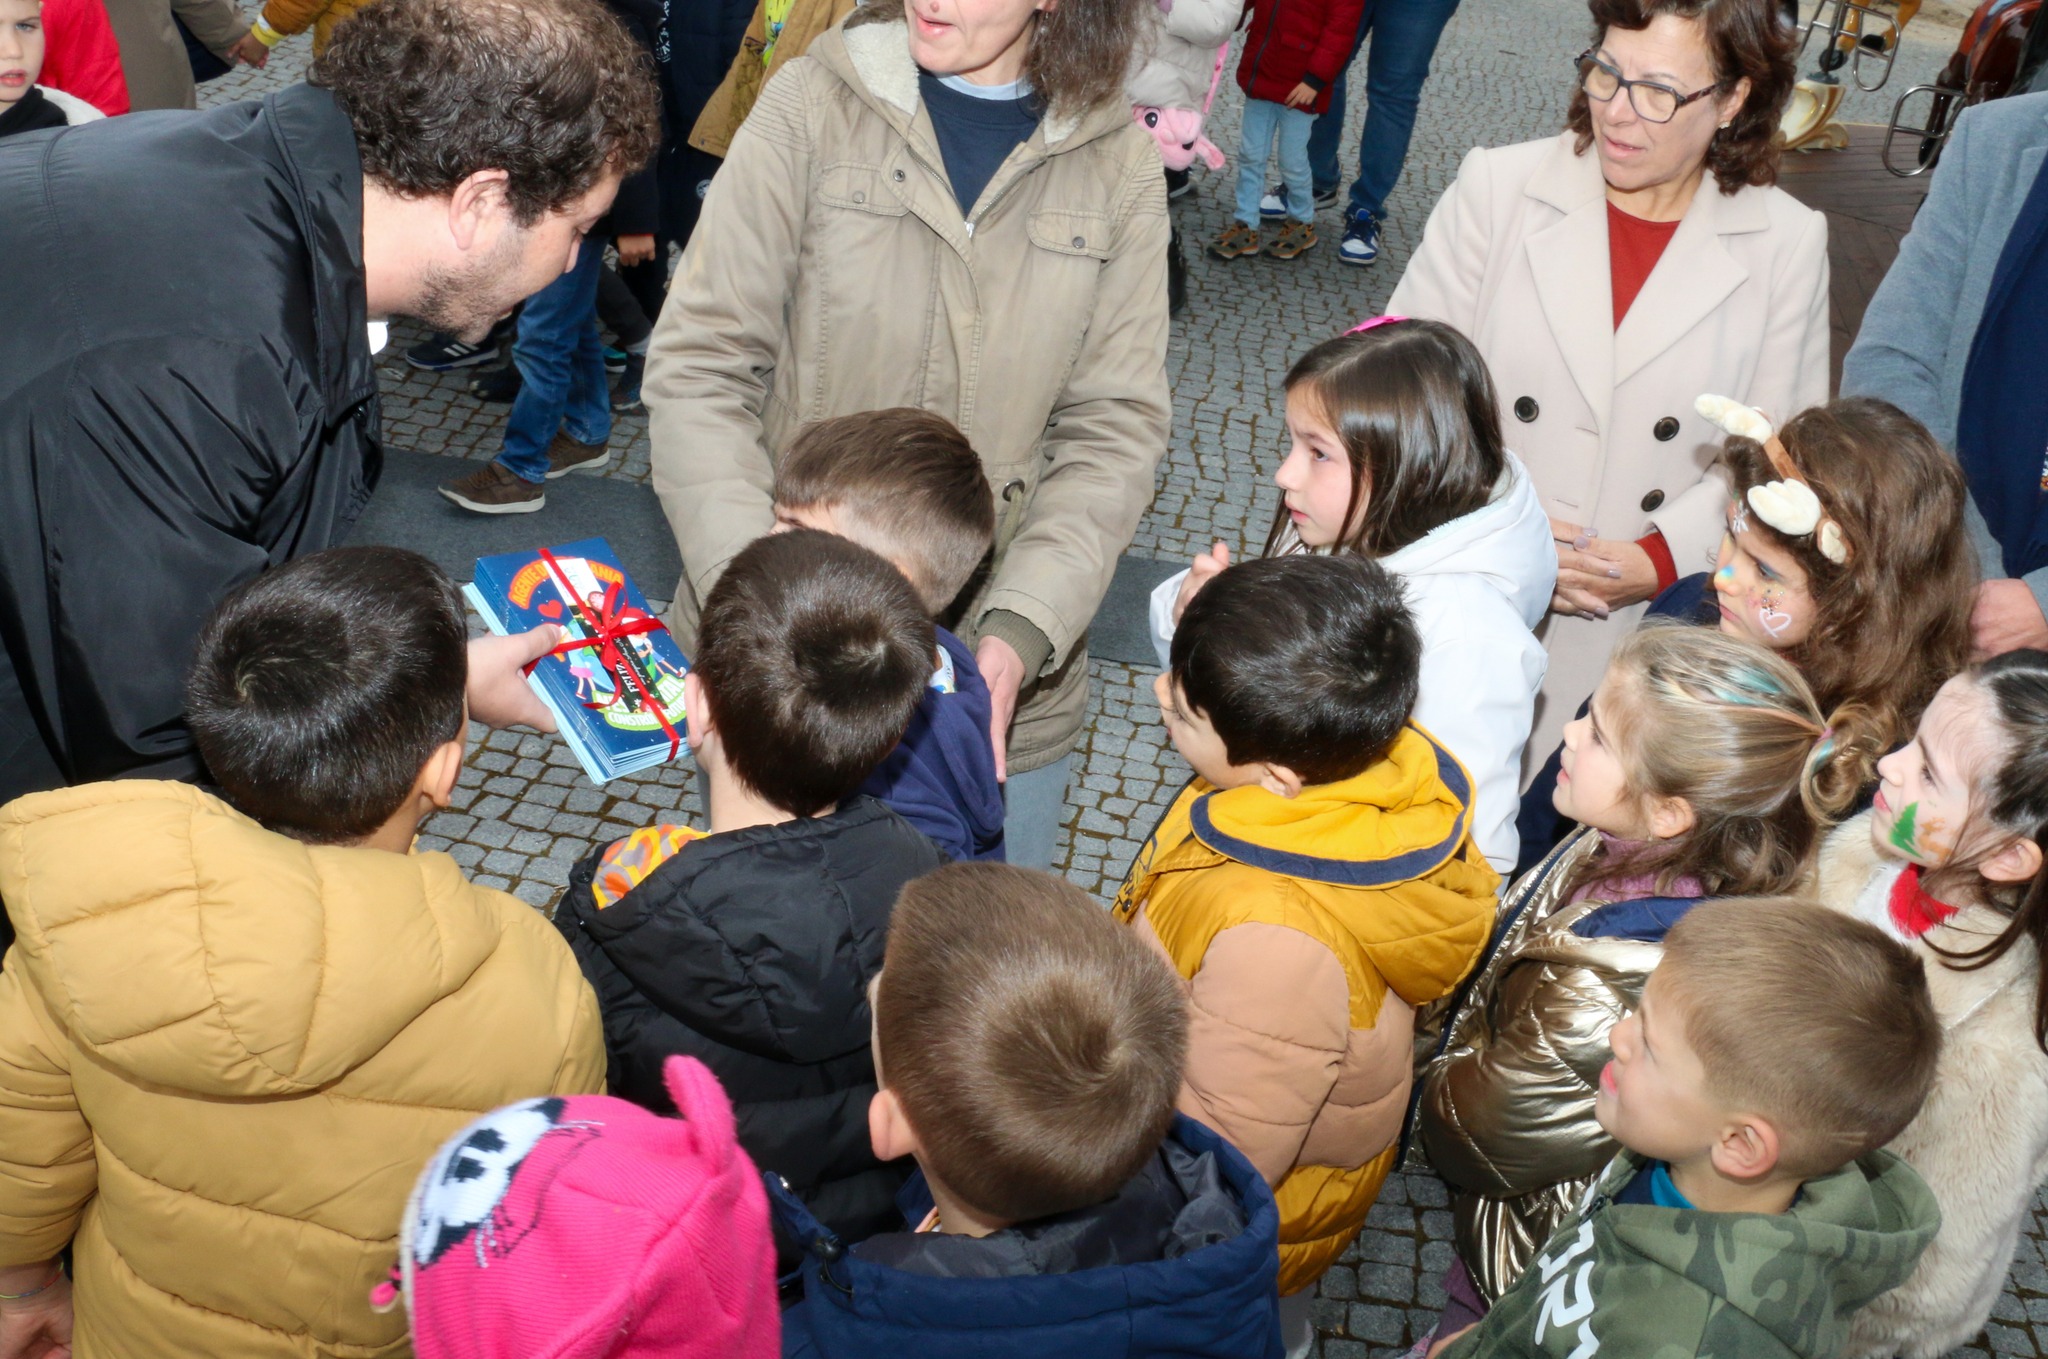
{"points": [[1308, 662], [1034, 1044], [1816, 1020], [813, 653], [555, 93], [902, 482], [320, 689]]}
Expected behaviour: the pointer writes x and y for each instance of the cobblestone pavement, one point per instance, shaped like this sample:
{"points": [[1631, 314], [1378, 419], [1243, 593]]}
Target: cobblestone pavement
{"points": [[524, 812]]}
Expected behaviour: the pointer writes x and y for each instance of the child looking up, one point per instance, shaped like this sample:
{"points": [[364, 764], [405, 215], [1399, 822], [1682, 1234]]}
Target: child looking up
{"points": [[1395, 453], [1703, 768], [1313, 884], [906, 484], [750, 944], [230, 1034], [1029, 1050], [1881, 628], [1774, 1050], [24, 105], [1949, 860]]}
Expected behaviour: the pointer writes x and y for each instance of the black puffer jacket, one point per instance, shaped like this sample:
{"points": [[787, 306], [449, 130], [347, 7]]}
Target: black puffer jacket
{"points": [[187, 398], [752, 951]]}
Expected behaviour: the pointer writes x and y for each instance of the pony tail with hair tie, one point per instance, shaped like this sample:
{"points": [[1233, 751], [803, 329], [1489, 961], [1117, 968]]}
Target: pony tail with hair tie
{"points": [[1842, 761]]}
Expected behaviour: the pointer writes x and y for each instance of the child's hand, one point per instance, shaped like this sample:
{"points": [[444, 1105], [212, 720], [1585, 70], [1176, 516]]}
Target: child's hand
{"points": [[1301, 96], [249, 48], [635, 249], [1201, 571], [499, 695]]}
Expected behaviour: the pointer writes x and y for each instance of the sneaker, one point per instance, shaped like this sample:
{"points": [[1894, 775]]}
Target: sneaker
{"points": [[1294, 238], [566, 455], [1274, 204], [1238, 240], [626, 394], [497, 385], [494, 489], [1361, 243], [1179, 184], [444, 353], [615, 360]]}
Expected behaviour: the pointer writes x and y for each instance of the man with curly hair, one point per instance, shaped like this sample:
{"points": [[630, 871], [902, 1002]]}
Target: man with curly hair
{"points": [[189, 395]]}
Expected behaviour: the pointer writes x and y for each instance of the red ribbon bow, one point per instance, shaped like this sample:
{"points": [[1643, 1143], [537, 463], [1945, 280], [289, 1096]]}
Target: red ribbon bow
{"points": [[608, 625]]}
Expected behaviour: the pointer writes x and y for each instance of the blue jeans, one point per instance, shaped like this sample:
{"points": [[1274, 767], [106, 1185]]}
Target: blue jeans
{"points": [[1034, 804], [1263, 120], [561, 369], [1404, 37]]}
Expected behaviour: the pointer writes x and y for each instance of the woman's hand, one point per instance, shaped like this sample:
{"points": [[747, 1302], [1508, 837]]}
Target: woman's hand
{"points": [[499, 695], [2005, 618], [1595, 575], [1003, 670], [249, 49], [1204, 568], [37, 1327]]}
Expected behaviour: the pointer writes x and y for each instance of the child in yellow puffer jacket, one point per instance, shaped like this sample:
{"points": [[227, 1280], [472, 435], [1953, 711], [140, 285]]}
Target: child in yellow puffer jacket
{"points": [[1314, 884]]}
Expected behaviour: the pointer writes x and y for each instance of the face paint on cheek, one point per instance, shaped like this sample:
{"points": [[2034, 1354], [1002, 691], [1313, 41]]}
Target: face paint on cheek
{"points": [[1934, 839], [1904, 836], [1769, 616]]}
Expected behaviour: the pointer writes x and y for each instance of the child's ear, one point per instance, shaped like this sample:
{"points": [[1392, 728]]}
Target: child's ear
{"points": [[696, 712], [888, 1130], [1747, 1149], [1278, 778], [1670, 817], [2018, 861], [443, 768]]}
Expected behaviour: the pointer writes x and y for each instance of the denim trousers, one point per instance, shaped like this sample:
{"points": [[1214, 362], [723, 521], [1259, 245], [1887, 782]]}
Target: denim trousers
{"points": [[561, 369], [1263, 121], [1404, 37]]}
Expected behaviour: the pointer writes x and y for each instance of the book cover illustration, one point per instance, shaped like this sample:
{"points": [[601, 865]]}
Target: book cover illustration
{"points": [[615, 684]]}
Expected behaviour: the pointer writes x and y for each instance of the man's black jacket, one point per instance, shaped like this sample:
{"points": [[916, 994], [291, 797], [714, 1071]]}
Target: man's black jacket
{"points": [[187, 397], [752, 951]]}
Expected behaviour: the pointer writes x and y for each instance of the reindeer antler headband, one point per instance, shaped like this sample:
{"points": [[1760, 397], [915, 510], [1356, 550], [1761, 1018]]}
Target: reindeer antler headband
{"points": [[1788, 505]]}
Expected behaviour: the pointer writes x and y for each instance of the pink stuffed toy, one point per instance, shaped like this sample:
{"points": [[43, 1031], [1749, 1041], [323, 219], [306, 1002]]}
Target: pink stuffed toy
{"points": [[1179, 133]]}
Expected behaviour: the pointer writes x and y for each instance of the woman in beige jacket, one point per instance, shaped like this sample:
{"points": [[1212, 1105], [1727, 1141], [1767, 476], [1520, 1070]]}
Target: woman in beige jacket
{"points": [[1614, 273], [837, 269]]}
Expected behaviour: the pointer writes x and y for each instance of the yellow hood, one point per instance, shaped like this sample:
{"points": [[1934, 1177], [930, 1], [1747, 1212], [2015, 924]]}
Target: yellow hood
{"points": [[183, 944]]}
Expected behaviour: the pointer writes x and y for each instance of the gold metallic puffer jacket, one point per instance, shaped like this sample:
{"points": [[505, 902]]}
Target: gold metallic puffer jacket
{"points": [[1506, 1111]]}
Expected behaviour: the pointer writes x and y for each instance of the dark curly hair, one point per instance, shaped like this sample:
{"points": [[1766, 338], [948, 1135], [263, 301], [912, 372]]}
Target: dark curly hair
{"points": [[1744, 38], [555, 93], [1080, 49]]}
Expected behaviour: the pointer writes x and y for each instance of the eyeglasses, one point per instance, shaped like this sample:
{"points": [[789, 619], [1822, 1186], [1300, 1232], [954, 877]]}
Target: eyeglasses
{"points": [[1652, 102]]}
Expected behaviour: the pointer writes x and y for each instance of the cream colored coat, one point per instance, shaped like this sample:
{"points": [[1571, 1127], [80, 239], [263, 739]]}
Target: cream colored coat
{"points": [[1515, 255], [1981, 1139]]}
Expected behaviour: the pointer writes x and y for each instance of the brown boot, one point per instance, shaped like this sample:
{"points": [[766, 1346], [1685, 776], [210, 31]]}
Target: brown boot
{"points": [[494, 489], [566, 455], [1294, 238], [1238, 240]]}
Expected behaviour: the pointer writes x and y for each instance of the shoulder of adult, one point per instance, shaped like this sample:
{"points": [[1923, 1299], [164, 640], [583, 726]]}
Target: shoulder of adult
{"points": [[2003, 127], [74, 109]]}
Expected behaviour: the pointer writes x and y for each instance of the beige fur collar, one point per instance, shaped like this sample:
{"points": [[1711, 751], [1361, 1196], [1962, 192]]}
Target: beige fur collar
{"points": [[880, 56]]}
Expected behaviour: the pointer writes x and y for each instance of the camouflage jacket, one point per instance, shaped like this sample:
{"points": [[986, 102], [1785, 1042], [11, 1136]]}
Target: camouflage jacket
{"points": [[1645, 1282]]}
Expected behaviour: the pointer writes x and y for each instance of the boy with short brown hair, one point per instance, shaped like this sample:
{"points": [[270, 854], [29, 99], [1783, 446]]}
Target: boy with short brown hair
{"points": [[905, 484], [1777, 1047]]}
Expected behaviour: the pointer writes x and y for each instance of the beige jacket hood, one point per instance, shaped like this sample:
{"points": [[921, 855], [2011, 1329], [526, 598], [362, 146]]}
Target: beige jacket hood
{"points": [[833, 272]]}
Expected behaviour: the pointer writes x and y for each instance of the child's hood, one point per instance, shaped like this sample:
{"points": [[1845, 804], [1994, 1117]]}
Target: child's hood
{"points": [[1504, 545], [1798, 1275], [184, 945]]}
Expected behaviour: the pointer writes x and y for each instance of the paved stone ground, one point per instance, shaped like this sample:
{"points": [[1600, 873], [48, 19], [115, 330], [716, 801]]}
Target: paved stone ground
{"points": [[525, 813]]}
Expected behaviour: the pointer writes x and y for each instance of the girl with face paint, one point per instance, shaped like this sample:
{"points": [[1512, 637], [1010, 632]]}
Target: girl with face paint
{"points": [[1949, 860]]}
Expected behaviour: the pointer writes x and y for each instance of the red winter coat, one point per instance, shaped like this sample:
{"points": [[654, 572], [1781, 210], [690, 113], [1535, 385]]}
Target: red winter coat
{"points": [[80, 56], [1292, 42]]}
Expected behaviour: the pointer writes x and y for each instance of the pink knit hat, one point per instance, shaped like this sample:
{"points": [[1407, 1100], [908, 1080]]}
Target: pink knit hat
{"points": [[584, 1226]]}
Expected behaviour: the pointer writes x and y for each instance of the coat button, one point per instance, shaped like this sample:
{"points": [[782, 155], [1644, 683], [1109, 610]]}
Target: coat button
{"points": [[1525, 408], [859, 197], [1011, 487], [1666, 429], [897, 176], [1080, 243], [1652, 501]]}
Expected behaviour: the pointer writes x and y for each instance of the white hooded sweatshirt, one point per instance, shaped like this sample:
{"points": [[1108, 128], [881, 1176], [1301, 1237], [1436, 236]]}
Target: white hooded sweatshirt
{"points": [[1478, 586]]}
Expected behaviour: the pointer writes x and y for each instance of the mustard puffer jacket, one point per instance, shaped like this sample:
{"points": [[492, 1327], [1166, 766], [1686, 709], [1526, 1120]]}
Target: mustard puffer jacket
{"points": [[225, 1056], [1307, 930]]}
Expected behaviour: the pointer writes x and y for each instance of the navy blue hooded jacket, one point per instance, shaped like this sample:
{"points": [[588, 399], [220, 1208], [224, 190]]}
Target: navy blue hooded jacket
{"points": [[941, 777], [1184, 1261]]}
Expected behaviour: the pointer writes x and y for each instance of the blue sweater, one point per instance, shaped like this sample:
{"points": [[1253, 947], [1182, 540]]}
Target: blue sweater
{"points": [[1184, 1261], [941, 777]]}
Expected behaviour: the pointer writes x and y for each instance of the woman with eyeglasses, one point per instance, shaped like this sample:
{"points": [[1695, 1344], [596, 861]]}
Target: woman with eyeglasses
{"points": [[1614, 273]]}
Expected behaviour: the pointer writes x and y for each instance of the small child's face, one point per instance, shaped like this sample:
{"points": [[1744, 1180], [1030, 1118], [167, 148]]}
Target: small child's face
{"points": [[1653, 1097], [1926, 787], [1315, 477], [1196, 739], [1761, 588], [1592, 787], [21, 48]]}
